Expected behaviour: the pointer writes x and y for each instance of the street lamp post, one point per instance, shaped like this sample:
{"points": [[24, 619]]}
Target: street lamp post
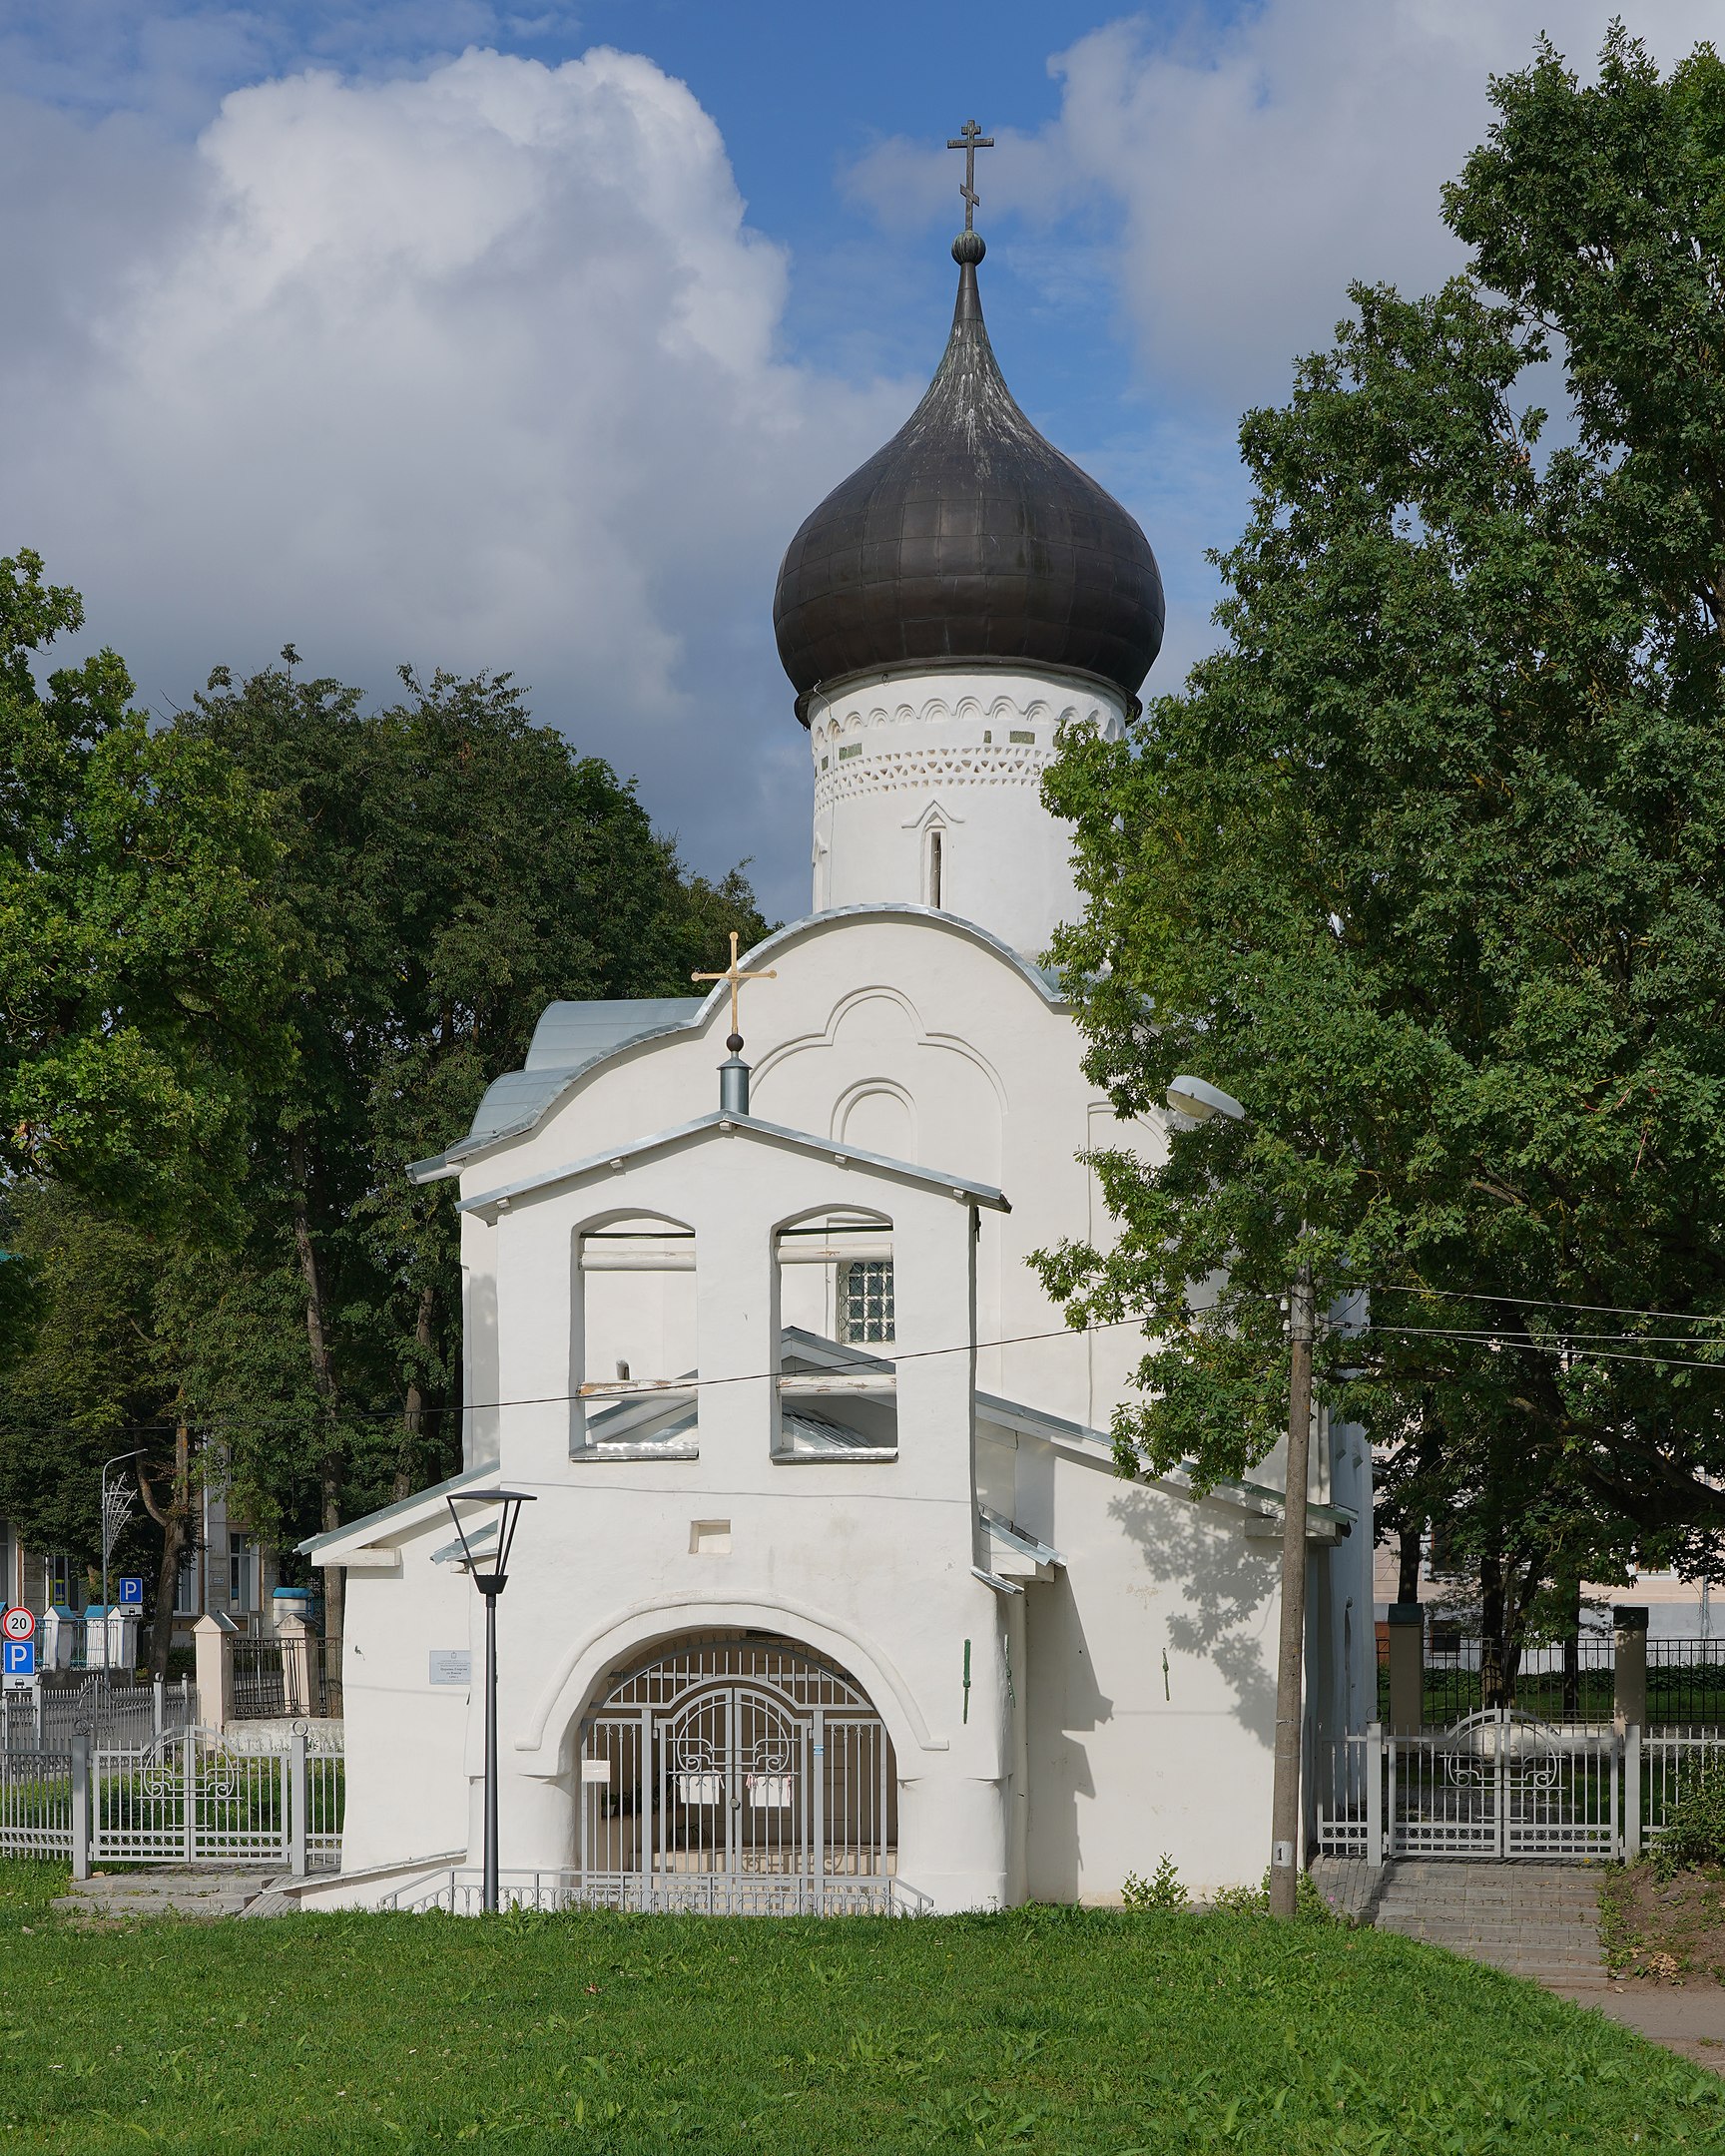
{"points": [[492, 1584], [1196, 1098], [116, 1510]]}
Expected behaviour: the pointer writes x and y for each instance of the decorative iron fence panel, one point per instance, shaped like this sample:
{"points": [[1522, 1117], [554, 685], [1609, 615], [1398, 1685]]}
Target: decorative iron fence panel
{"points": [[326, 1797], [286, 1679], [186, 1799], [1672, 1762], [107, 1709], [35, 1804], [700, 1894]]}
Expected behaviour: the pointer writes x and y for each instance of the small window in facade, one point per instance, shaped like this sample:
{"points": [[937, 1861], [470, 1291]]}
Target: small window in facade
{"points": [[936, 864], [186, 1586], [60, 1580], [866, 1300], [242, 1573]]}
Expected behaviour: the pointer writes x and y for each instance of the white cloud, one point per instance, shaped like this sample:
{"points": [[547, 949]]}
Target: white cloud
{"points": [[476, 370], [1263, 163]]}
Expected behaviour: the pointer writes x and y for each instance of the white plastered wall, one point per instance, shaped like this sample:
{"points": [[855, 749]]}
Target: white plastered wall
{"points": [[959, 752]]}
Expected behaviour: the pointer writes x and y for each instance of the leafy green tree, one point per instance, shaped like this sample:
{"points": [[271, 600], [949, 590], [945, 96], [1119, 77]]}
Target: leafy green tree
{"points": [[1423, 865], [137, 965]]}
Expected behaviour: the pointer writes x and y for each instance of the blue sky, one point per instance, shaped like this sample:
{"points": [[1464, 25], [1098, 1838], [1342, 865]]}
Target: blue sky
{"points": [[430, 330]]}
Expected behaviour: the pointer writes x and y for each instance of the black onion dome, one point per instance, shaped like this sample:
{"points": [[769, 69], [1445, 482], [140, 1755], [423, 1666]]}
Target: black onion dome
{"points": [[969, 537]]}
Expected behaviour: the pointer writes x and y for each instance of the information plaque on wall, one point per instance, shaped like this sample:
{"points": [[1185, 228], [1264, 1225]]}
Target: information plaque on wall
{"points": [[452, 1666]]}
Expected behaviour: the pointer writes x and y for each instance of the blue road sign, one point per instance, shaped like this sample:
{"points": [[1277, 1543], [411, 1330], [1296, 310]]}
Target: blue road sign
{"points": [[20, 1657], [131, 1593]]}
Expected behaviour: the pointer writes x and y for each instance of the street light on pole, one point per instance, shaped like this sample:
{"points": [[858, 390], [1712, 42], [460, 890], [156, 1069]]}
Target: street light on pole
{"points": [[492, 1584], [1198, 1099], [116, 1512]]}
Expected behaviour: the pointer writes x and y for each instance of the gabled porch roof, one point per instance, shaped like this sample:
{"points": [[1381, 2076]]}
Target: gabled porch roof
{"points": [[730, 1124]]}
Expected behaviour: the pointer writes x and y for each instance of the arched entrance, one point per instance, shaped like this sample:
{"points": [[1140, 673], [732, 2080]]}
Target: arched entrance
{"points": [[735, 1773]]}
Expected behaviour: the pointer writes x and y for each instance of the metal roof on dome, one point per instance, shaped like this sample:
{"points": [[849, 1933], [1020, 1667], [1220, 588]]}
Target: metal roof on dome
{"points": [[969, 537]]}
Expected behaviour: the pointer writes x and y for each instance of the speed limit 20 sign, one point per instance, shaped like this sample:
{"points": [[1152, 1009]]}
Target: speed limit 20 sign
{"points": [[18, 1624]]}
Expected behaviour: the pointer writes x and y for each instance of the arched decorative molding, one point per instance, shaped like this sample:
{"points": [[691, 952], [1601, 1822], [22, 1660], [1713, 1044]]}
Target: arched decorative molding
{"points": [[949, 1043], [589, 1661], [870, 1088], [1020, 764]]}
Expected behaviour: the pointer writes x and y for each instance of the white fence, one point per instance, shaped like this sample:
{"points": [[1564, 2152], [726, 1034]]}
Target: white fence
{"points": [[186, 1798], [106, 1709], [1501, 1784], [36, 1804]]}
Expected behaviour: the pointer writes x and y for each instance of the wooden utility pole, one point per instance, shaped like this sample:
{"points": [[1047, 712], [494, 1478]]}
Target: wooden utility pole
{"points": [[1285, 1827]]}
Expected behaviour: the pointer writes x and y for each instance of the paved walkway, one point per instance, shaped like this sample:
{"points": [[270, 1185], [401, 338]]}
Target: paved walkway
{"points": [[1691, 2023]]}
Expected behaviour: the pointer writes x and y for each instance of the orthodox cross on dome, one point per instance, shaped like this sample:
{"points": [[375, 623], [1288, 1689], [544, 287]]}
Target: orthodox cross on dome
{"points": [[735, 975], [971, 139]]}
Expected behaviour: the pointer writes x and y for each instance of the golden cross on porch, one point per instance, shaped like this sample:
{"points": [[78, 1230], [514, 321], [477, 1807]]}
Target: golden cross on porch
{"points": [[735, 975]]}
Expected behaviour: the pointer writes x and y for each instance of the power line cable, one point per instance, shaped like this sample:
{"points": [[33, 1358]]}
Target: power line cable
{"points": [[1599, 1309], [1583, 1343]]}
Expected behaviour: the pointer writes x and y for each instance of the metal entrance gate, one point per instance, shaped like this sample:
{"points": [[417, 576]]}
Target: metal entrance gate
{"points": [[1497, 1785], [1504, 1785], [192, 1800], [739, 1775]]}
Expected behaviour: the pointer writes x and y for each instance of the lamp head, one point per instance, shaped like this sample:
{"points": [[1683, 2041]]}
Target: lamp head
{"points": [[494, 1581], [1197, 1098]]}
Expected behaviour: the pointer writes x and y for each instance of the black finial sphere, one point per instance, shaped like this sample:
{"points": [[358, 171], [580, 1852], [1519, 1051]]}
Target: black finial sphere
{"points": [[734, 1041], [968, 248]]}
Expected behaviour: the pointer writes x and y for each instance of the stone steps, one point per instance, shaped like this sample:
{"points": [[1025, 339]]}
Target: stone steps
{"points": [[111, 1897], [1535, 1921]]}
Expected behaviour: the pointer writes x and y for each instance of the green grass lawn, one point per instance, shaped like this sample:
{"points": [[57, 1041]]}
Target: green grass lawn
{"points": [[1043, 2030]]}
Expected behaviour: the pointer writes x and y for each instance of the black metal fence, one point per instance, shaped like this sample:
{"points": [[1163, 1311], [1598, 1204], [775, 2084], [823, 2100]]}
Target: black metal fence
{"points": [[1685, 1682], [285, 1679]]}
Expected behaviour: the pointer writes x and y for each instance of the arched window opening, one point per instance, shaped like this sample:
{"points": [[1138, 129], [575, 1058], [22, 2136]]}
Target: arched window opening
{"points": [[838, 1390], [636, 1284]]}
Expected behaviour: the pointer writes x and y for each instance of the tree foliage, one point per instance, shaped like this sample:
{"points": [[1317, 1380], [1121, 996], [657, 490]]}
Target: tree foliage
{"points": [[137, 965], [1423, 865]]}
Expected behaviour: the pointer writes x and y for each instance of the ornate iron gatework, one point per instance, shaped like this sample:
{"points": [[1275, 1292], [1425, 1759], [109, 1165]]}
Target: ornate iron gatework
{"points": [[735, 1773]]}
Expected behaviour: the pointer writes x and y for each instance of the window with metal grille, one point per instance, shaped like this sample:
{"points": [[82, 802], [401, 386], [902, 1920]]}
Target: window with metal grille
{"points": [[60, 1580], [866, 1300]]}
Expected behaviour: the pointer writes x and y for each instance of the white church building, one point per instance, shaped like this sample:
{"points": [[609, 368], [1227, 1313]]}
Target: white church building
{"points": [[831, 1595]]}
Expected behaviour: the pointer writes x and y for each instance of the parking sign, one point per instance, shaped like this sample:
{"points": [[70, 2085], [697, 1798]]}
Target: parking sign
{"points": [[131, 1593], [20, 1661]]}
